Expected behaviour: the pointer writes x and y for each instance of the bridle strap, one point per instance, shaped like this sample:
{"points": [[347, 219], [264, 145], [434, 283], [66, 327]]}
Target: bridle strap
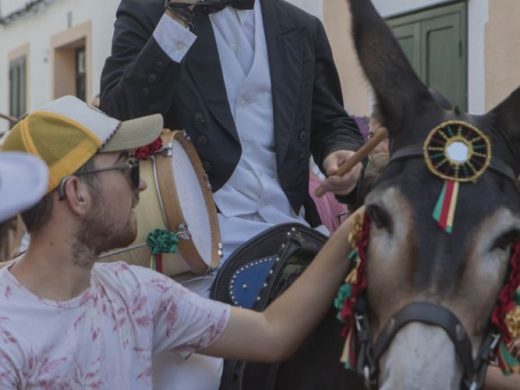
{"points": [[416, 150], [430, 314]]}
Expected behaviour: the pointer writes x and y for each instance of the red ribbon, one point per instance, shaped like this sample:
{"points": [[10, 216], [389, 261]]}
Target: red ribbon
{"points": [[506, 298], [144, 152], [347, 311], [159, 263]]}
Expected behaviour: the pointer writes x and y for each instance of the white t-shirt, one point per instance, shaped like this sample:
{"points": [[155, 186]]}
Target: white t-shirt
{"points": [[104, 338]]}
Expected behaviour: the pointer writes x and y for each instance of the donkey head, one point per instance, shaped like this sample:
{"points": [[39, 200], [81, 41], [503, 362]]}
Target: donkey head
{"points": [[411, 259]]}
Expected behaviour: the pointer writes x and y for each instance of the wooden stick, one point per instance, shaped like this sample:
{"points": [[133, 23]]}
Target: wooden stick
{"points": [[344, 168], [9, 118]]}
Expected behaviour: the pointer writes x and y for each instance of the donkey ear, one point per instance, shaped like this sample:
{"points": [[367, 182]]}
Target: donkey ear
{"points": [[397, 88], [506, 121], [507, 117]]}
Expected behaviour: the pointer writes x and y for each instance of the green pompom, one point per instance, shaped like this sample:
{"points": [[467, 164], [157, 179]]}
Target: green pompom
{"points": [[162, 241], [344, 292]]}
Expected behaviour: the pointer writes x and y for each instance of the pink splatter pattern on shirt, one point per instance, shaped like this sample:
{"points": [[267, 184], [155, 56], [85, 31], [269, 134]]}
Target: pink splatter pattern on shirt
{"points": [[105, 338]]}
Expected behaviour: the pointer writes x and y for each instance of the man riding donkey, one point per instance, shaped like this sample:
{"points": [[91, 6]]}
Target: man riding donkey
{"points": [[69, 322]]}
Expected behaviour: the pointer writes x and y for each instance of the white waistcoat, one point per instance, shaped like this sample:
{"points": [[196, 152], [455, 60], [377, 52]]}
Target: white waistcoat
{"points": [[252, 199]]}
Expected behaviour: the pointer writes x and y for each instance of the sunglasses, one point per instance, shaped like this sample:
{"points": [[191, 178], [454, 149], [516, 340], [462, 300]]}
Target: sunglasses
{"points": [[132, 166]]}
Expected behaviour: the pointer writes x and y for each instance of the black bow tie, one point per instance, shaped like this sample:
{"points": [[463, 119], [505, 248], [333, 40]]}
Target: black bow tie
{"points": [[211, 6]]}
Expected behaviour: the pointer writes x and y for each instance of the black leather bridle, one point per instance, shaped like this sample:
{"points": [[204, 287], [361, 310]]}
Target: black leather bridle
{"points": [[428, 313]]}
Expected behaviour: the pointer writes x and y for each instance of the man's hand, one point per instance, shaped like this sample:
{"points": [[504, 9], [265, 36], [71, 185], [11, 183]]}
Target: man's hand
{"points": [[181, 10], [340, 185]]}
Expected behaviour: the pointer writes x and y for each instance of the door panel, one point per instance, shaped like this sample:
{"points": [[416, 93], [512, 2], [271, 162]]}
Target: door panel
{"points": [[409, 37], [435, 42]]}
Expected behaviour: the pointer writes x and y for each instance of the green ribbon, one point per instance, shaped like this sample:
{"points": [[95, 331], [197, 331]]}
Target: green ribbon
{"points": [[508, 360], [344, 292], [353, 257], [162, 241]]}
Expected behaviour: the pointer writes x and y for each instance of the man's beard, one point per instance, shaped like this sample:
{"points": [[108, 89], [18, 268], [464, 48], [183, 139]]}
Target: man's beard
{"points": [[98, 233]]}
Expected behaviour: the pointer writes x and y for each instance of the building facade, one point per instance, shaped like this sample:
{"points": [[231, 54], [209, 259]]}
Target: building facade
{"points": [[467, 49]]}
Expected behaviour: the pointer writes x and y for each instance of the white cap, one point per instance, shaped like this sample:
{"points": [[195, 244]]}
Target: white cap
{"points": [[23, 182]]}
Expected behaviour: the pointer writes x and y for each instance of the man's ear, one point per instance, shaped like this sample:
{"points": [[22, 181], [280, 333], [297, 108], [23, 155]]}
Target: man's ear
{"points": [[77, 195]]}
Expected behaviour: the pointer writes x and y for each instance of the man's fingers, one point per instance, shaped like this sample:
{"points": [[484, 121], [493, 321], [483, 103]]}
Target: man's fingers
{"points": [[340, 185]]}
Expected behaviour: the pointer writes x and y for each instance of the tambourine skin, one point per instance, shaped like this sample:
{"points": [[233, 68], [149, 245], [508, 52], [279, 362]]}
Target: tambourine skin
{"points": [[176, 216], [160, 207]]}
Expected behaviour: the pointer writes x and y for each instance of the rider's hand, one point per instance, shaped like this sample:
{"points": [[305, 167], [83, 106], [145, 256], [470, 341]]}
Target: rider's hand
{"points": [[340, 185], [181, 10]]}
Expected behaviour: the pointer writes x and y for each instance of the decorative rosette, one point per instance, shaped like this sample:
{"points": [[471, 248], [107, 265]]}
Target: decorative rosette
{"points": [[456, 152]]}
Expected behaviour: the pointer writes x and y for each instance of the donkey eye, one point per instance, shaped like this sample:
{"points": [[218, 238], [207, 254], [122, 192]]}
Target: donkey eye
{"points": [[506, 240], [378, 216]]}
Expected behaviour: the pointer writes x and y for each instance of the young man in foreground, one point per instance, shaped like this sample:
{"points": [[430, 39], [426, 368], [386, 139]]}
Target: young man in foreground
{"points": [[67, 321]]}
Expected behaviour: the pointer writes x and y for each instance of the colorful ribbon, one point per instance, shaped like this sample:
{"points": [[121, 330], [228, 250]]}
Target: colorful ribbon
{"points": [[159, 242], [444, 211], [144, 152]]}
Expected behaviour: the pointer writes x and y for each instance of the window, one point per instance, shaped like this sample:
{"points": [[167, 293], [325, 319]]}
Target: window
{"points": [[81, 74], [435, 42], [17, 87]]}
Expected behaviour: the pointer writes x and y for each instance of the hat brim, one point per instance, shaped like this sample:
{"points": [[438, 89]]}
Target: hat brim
{"points": [[134, 133], [23, 182]]}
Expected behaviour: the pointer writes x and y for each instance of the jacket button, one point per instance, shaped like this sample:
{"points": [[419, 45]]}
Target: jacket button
{"points": [[301, 157], [303, 136], [158, 66], [202, 140], [152, 79], [199, 119], [207, 166], [146, 92]]}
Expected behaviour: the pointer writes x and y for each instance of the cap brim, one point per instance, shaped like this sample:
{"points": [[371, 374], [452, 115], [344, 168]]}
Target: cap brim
{"points": [[134, 133], [23, 182]]}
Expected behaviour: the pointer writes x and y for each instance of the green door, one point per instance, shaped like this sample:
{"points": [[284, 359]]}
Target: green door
{"points": [[435, 41]]}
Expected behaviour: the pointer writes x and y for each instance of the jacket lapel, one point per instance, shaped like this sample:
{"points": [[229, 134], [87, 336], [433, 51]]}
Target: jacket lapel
{"points": [[285, 57], [204, 66]]}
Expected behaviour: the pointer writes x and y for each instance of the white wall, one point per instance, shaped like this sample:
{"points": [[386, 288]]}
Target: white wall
{"points": [[9, 6], [478, 16], [36, 29]]}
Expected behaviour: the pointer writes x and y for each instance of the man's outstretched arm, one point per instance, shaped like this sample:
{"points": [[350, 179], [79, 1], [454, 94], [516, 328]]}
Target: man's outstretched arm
{"points": [[277, 332]]}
